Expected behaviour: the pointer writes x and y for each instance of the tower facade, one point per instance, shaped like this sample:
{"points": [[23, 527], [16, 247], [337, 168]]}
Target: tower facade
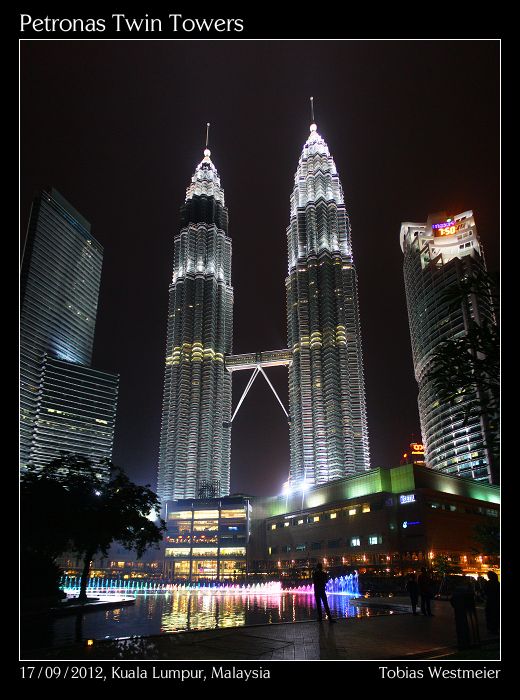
{"points": [[64, 404], [439, 254], [328, 424], [194, 456]]}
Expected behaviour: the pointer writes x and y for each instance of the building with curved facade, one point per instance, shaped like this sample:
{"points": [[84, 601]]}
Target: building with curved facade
{"points": [[439, 254]]}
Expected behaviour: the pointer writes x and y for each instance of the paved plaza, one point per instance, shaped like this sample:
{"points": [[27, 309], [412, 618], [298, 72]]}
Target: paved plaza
{"points": [[398, 635]]}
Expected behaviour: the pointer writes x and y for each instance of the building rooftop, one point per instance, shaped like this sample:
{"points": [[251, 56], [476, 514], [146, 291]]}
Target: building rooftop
{"points": [[400, 479]]}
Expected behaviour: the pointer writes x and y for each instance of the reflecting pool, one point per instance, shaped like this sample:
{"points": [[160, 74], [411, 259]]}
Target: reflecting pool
{"points": [[161, 613]]}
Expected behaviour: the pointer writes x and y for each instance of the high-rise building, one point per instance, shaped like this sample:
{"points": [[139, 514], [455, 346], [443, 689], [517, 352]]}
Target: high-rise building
{"points": [[76, 412], [328, 424], [438, 255], [64, 404], [194, 453]]}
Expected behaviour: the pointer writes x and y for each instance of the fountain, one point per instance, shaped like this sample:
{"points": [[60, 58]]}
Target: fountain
{"points": [[342, 585]]}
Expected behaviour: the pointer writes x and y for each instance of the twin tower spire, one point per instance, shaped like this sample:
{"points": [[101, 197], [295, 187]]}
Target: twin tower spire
{"points": [[327, 413]]}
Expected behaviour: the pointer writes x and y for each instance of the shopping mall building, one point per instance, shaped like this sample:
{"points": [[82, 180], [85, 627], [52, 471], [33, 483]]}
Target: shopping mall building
{"points": [[386, 521], [383, 522]]}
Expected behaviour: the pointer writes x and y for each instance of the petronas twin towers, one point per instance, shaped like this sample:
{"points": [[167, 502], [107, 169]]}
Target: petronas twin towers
{"points": [[327, 412]]}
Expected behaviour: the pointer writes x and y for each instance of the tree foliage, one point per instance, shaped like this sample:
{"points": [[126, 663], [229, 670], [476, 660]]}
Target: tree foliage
{"points": [[77, 506], [442, 566], [487, 539], [469, 366]]}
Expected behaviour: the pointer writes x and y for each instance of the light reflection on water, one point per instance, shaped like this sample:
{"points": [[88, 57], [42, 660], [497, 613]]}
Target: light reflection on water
{"points": [[191, 610]]}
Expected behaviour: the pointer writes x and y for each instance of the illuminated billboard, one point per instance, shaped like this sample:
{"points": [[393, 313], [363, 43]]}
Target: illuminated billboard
{"points": [[447, 228]]}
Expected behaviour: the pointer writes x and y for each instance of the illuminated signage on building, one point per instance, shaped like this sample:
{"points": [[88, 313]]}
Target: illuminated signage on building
{"points": [[407, 498], [447, 228], [408, 523], [417, 448]]}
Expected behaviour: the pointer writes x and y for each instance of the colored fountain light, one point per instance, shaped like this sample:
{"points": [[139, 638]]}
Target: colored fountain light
{"points": [[343, 585]]}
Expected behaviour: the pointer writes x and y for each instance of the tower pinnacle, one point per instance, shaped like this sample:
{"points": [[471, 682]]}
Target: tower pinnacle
{"points": [[313, 126], [207, 152]]}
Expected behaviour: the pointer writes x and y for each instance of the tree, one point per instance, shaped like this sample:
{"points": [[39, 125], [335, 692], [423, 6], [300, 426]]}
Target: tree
{"points": [[442, 566], [469, 366], [91, 507], [42, 536], [487, 538]]}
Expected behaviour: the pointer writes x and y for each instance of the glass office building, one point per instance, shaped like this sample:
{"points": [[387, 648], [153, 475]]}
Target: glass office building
{"points": [[328, 423], [439, 254], [59, 289], [206, 539], [75, 413]]}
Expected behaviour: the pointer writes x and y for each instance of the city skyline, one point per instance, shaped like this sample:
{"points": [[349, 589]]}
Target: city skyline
{"points": [[141, 203]]}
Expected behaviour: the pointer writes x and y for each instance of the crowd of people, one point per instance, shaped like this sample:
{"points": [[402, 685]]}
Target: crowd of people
{"points": [[422, 589], [467, 592]]}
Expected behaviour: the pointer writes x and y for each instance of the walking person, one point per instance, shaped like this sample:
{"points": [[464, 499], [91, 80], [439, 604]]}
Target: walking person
{"points": [[466, 623], [413, 591], [492, 593], [480, 587], [425, 589], [319, 579]]}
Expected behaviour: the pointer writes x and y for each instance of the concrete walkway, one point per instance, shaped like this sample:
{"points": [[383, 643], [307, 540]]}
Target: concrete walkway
{"points": [[394, 636]]}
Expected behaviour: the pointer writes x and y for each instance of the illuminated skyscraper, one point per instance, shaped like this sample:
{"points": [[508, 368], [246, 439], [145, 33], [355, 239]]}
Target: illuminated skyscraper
{"points": [[64, 404], [439, 254], [328, 424], [194, 456]]}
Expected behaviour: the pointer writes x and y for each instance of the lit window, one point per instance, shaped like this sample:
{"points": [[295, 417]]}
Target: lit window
{"points": [[205, 526], [366, 508], [333, 516], [300, 522], [180, 515], [352, 511], [286, 523], [316, 519], [232, 551], [355, 542], [177, 552], [233, 513], [204, 551], [374, 539], [203, 514]]}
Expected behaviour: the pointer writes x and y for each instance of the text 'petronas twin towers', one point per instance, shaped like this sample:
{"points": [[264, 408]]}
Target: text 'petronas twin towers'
{"points": [[328, 426]]}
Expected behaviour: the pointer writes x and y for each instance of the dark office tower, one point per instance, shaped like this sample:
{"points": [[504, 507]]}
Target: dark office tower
{"points": [[438, 255], [76, 412], [195, 444], [328, 426], [64, 405]]}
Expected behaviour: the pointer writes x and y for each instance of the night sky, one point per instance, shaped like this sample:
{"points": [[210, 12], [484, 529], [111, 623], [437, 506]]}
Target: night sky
{"points": [[118, 128]]}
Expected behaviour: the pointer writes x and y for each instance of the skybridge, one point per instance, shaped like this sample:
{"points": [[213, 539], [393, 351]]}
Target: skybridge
{"points": [[257, 361]]}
